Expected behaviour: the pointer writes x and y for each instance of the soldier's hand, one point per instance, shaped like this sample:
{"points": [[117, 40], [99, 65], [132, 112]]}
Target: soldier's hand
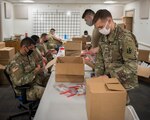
{"points": [[94, 50], [37, 69]]}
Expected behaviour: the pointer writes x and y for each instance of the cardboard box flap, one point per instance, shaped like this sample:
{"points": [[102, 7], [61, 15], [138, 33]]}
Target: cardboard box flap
{"points": [[112, 80], [6, 48], [51, 63], [71, 69], [69, 59], [114, 87], [71, 45], [143, 71]]}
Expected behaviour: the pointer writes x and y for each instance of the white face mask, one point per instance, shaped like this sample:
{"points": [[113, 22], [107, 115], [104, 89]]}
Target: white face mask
{"points": [[89, 23], [85, 35], [104, 31]]}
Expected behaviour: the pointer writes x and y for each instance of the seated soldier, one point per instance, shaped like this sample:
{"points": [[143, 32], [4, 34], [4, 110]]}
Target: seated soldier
{"points": [[86, 36], [57, 40], [23, 70]]}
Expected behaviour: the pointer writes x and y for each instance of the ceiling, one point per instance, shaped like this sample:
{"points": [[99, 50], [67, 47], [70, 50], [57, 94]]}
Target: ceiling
{"points": [[72, 1]]}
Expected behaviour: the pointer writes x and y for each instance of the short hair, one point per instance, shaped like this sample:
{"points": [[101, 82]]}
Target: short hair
{"points": [[35, 38], [88, 12], [43, 35], [52, 29], [85, 32], [27, 42], [101, 14]]}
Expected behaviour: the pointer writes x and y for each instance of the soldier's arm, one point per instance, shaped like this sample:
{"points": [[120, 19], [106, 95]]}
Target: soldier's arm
{"points": [[129, 55], [99, 65], [95, 38], [18, 76]]}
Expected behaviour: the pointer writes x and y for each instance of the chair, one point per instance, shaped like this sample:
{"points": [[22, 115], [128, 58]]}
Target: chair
{"points": [[28, 106]]}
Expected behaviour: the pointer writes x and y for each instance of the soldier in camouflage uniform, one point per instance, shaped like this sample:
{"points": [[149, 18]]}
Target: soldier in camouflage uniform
{"points": [[88, 16], [47, 47], [117, 51], [23, 70]]}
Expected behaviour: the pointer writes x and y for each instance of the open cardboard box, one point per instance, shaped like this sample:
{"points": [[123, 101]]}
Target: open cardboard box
{"points": [[105, 99], [69, 69], [73, 48], [144, 72]]}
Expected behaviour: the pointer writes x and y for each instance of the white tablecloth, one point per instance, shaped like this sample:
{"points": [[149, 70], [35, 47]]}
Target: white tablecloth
{"points": [[54, 106]]}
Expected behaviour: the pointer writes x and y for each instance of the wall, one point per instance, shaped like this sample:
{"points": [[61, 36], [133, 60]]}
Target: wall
{"points": [[7, 24], [25, 25], [141, 27]]}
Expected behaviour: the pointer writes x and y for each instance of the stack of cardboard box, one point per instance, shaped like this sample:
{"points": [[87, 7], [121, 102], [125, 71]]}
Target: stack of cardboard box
{"points": [[128, 21], [80, 39], [6, 53], [105, 99], [69, 69], [73, 48], [143, 71], [13, 43]]}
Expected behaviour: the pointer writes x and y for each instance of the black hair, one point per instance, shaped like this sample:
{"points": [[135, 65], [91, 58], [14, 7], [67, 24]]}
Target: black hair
{"points": [[35, 38], [27, 41], [101, 14], [85, 32], [52, 29], [88, 12], [43, 35]]}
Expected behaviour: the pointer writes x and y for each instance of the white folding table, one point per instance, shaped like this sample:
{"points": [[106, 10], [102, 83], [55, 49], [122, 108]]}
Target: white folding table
{"points": [[54, 106]]}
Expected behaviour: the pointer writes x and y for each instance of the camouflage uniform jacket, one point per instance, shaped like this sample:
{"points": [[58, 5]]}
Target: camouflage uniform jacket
{"points": [[118, 56], [21, 70]]}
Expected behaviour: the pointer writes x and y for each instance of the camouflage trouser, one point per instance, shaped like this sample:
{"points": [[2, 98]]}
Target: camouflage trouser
{"points": [[35, 92]]}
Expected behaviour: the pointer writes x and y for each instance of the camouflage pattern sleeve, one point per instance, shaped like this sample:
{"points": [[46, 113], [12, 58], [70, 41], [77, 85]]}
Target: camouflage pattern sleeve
{"points": [[127, 73], [17, 74], [95, 38], [99, 64]]}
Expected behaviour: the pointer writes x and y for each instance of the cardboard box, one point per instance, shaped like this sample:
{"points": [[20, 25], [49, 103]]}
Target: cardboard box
{"points": [[128, 27], [105, 99], [7, 52], [4, 61], [2, 45], [13, 43], [72, 45], [144, 73], [69, 69], [128, 20], [73, 48], [80, 39], [143, 55], [72, 53]]}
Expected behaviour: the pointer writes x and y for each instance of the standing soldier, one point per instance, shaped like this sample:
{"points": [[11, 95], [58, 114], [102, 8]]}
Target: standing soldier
{"points": [[23, 70], [88, 16], [117, 50]]}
